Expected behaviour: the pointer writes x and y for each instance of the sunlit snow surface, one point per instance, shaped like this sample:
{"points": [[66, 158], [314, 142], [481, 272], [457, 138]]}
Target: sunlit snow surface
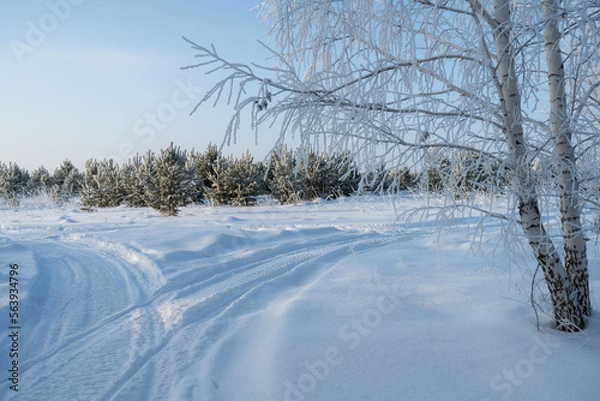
{"points": [[320, 301]]}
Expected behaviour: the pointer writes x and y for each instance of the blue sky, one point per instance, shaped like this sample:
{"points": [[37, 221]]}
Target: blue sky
{"points": [[97, 79]]}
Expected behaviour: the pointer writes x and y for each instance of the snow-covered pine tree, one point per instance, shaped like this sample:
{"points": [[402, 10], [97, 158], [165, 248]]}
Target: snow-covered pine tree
{"points": [[135, 177], [89, 188], [347, 178], [438, 174], [461, 172], [170, 186], [198, 181], [66, 182], [262, 176], [235, 181], [110, 184], [313, 172], [402, 179], [473, 173], [206, 162], [376, 180], [326, 175], [40, 181], [284, 181], [102, 186], [3, 169], [305, 175], [13, 183]]}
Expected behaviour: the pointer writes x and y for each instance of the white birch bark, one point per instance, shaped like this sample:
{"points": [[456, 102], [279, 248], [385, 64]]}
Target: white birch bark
{"points": [[574, 239], [568, 317]]}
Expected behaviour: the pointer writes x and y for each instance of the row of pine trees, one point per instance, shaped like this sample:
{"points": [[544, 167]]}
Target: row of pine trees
{"points": [[174, 178], [16, 182]]}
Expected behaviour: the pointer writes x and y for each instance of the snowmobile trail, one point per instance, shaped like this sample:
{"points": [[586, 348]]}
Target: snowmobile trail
{"points": [[206, 314], [99, 326], [78, 293]]}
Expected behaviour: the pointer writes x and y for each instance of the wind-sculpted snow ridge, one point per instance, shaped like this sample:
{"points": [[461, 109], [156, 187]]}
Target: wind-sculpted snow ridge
{"points": [[328, 301]]}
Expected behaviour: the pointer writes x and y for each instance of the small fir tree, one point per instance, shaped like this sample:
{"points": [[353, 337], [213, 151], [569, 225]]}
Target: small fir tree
{"points": [[235, 181], [402, 179], [345, 176], [102, 186], [284, 182], [323, 175], [67, 182], [198, 183], [89, 189], [40, 182], [170, 185], [206, 163], [13, 183], [135, 178]]}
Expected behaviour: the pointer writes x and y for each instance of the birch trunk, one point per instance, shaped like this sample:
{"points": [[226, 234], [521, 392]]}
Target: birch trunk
{"points": [[570, 209], [566, 313]]}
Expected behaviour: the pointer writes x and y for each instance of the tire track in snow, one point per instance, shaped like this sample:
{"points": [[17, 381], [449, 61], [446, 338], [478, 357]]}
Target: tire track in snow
{"points": [[204, 319], [78, 292], [108, 336]]}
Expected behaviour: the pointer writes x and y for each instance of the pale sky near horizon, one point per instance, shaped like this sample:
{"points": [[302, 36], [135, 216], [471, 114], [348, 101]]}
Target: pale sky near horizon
{"points": [[100, 79]]}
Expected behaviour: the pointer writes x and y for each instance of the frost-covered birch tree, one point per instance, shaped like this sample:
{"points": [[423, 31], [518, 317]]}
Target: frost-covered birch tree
{"points": [[397, 81]]}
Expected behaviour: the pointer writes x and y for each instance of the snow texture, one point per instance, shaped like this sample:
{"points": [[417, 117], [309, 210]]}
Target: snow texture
{"points": [[316, 301]]}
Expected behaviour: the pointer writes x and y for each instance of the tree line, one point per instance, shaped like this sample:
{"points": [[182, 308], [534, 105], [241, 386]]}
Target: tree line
{"points": [[174, 178]]}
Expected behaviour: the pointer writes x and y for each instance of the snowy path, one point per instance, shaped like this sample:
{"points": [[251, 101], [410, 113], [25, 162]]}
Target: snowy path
{"points": [[84, 302], [103, 323], [203, 313]]}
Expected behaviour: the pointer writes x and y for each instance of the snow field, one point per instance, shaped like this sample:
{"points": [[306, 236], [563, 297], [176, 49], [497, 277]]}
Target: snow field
{"points": [[320, 301]]}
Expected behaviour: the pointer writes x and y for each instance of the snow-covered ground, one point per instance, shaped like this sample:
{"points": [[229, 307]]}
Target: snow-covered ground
{"points": [[320, 301]]}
